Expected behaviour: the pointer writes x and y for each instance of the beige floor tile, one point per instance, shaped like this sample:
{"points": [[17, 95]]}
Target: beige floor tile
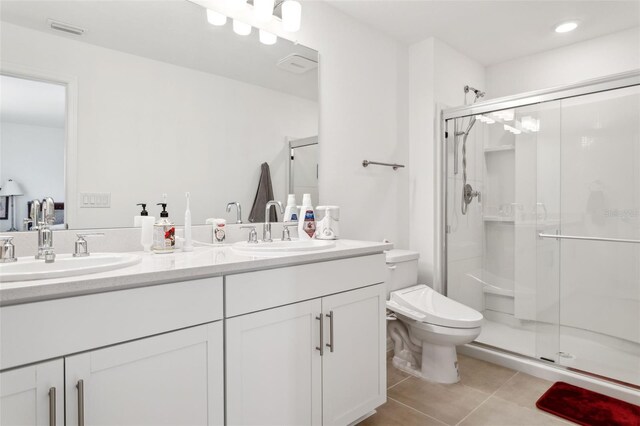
{"points": [[394, 376], [447, 403], [482, 375], [499, 412], [524, 390], [395, 414]]}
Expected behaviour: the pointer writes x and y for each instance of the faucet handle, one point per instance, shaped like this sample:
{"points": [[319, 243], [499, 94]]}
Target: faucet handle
{"points": [[253, 234], [7, 249], [286, 235], [81, 247]]}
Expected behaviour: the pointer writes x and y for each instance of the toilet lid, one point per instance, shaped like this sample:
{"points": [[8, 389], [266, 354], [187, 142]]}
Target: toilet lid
{"points": [[434, 308]]}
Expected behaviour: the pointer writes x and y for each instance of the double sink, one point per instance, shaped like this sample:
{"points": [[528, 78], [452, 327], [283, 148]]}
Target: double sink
{"points": [[66, 265]]}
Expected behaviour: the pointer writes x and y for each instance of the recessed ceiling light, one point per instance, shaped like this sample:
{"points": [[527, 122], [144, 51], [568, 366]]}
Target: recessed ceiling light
{"points": [[565, 27]]}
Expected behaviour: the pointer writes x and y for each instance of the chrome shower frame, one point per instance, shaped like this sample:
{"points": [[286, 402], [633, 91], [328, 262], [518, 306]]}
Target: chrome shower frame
{"points": [[612, 82]]}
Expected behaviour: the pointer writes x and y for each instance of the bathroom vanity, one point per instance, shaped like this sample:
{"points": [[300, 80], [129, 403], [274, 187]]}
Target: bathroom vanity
{"points": [[208, 337]]}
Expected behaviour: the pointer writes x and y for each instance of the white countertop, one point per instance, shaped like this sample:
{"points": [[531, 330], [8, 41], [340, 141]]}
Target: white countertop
{"points": [[173, 267]]}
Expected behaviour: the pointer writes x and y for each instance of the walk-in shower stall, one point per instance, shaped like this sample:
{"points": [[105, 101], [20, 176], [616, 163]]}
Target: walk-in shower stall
{"points": [[544, 240]]}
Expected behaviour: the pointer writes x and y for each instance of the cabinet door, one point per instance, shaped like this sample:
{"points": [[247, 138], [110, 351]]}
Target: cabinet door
{"points": [[354, 368], [170, 379], [33, 395], [273, 367]]}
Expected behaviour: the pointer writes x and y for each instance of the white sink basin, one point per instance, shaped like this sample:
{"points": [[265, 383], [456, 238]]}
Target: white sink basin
{"points": [[28, 268], [283, 247]]}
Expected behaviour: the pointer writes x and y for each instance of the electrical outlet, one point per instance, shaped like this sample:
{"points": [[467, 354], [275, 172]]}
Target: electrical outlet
{"points": [[95, 200]]}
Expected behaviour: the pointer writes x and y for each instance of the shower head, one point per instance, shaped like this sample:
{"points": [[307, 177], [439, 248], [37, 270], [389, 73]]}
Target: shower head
{"points": [[477, 92]]}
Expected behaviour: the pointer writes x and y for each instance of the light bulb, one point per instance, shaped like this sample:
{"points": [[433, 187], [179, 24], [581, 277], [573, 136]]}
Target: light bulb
{"points": [[241, 28], [216, 18], [268, 38], [291, 15], [565, 27], [263, 9]]}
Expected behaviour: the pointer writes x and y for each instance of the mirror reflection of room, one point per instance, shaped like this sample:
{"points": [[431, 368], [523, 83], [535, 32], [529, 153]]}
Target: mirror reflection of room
{"points": [[32, 148], [161, 106]]}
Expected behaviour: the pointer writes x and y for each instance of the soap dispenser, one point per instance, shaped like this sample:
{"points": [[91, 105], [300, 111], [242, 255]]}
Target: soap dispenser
{"points": [[137, 220], [164, 232], [306, 220]]}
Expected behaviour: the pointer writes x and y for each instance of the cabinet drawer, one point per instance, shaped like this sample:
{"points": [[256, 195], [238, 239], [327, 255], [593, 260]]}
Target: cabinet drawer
{"points": [[259, 290], [36, 331]]}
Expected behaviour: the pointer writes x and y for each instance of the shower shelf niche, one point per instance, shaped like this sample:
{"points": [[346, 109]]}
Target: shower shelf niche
{"points": [[498, 219], [499, 148]]}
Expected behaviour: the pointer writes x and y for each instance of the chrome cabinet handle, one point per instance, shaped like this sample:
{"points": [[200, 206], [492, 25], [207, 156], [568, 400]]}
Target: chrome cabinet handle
{"points": [[330, 344], [321, 347], [52, 406], [80, 387]]}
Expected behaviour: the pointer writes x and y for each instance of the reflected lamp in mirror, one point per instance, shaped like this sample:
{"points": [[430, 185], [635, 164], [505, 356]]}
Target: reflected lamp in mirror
{"points": [[11, 189]]}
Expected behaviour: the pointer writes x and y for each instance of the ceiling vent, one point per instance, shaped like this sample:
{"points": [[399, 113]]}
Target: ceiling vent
{"points": [[67, 28], [297, 64]]}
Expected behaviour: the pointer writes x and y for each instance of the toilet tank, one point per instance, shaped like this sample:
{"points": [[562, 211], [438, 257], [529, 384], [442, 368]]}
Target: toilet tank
{"points": [[402, 269]]}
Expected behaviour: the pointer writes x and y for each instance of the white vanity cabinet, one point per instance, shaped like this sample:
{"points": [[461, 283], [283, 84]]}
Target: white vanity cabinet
{"points": [[320, 361], [143, 356], [293, 345], [33, 395], [170, 379], [354, 380], [274, 372]]}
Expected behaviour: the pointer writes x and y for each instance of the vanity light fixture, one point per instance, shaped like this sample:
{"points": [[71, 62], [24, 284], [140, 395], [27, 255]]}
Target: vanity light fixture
{"points": [[263, 9], [566, 27], [216, 18], [261, 14], [267, 37], [241, 28], [291, 15]]}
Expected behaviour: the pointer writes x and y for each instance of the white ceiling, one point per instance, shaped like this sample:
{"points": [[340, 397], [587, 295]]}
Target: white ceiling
{"points": [[493, 31], [174, 31], [32, 102]]}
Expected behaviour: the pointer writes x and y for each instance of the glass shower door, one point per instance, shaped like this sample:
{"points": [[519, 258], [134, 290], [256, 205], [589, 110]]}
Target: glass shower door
{"points": [[599, 197]]}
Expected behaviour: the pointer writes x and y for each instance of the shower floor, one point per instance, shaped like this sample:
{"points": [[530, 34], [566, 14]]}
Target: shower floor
{"points": [[595, 353]]}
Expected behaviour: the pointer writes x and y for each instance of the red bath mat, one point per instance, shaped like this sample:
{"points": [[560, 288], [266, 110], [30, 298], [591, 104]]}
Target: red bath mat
{"points": [[587, 408]]}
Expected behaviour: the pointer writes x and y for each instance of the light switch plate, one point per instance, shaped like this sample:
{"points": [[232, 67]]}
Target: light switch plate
{"points": [[95, 200]]}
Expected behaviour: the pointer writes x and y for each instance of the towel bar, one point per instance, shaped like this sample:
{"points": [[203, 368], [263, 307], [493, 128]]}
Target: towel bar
{"points": [[395, 166]]}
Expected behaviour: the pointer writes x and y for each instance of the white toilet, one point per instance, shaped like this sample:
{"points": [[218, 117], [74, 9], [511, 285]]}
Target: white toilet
{"points": [[431, 325]]}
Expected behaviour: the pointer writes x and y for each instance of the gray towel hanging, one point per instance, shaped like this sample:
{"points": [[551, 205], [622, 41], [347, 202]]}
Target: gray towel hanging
{"points": [[263, 196]]}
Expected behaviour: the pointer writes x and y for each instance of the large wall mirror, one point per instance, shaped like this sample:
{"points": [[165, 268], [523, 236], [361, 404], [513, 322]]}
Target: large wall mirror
{"points": [[149, 99]]}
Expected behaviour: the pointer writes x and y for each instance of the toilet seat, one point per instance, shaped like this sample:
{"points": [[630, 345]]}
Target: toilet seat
{"points": [[422, 303]]}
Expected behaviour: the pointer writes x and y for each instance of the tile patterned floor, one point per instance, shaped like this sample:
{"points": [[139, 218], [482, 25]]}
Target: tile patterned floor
{"points": [[486, 395]]}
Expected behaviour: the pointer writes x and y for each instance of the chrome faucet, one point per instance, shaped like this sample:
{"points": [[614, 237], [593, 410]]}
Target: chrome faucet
{"points": [[238, 210], [45, 235], [266, 231], [34, 216]]}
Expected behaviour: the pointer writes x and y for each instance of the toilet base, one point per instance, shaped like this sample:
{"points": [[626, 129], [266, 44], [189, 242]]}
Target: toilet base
{"points": [[439, 364]]}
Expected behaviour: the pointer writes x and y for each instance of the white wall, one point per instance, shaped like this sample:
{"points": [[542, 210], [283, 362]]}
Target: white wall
{"points": [[611, 54], [363, 103], [437, 76], [147, 127], [34, 157]]}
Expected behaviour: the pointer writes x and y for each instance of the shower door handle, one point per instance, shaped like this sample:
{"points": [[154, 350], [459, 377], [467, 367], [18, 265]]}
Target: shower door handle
{"points": [[575, 237]]}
